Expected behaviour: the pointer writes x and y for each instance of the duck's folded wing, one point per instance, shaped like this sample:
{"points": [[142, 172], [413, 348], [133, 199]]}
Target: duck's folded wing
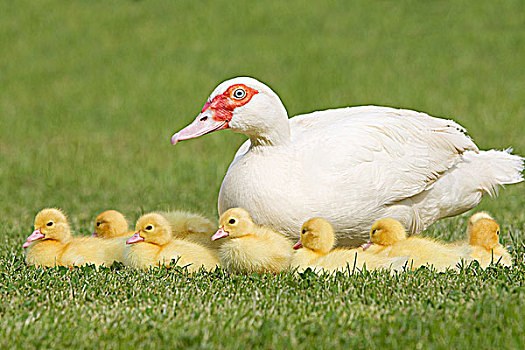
{"points": [[398, 152]]}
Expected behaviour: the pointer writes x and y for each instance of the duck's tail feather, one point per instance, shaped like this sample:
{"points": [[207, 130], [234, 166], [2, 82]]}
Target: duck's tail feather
{"points": [[461, 188], [493, 169]]}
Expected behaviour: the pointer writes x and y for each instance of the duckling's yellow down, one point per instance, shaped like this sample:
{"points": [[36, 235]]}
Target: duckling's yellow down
{"points": [[192, 227], [248, 247], [112, 226], [483, 234], [154, 245], [388, 237], [314, 250], [52, 244]]}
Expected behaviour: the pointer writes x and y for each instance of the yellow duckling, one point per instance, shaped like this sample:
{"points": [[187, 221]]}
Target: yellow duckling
{"points": [[317, 241], [111, 224], [51, 243], [249, 247], [389, 237], [483, 234], [192, 227], [153, 245]]}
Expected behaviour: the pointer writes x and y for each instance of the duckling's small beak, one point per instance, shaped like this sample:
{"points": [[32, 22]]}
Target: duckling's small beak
{"points": [[221, 233], [203, 124], [94, 234], [35, 236], [135, 238], [298, 245], [367, 245]]}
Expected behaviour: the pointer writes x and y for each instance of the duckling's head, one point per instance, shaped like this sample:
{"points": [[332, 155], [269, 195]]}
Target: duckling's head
{"points": [[387, 231], [484, 233], [478, 216], [109, 224], [318, 235], [151, 228], [234, 223], [50, 223]]}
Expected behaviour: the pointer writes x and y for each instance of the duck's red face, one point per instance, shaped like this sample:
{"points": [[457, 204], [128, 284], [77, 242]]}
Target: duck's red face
{"points": [[217, 112]]}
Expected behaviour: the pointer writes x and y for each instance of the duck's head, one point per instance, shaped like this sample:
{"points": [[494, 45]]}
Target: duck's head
{"points": [[484, 233], [244, 105], [318, 235], [386, 231], [234, 223], [50, 223], [109, 224], [151, 228]]}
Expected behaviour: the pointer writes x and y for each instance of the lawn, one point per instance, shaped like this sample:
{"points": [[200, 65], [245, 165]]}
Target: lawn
{"points": [[91, 91]]}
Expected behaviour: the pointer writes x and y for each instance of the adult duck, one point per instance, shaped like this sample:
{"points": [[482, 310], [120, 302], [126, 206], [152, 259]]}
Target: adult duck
{"points": [[350, 166]]}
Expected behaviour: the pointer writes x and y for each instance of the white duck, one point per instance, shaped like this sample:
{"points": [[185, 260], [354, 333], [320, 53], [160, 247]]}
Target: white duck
{"points": [[348, 165]]}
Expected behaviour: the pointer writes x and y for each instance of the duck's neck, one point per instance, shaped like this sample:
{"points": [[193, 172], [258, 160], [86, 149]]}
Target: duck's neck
{"points": [[265, 125], [279, 136]]}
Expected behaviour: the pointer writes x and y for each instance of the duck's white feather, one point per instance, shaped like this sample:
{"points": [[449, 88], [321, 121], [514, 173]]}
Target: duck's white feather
{"points": [[354, 165], [350, 166]]}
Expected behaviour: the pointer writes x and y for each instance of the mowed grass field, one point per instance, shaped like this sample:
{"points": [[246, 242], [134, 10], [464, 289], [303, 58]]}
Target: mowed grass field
{"points": [[90, 93]]}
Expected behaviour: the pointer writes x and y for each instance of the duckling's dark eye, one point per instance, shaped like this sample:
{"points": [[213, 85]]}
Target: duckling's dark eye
{"points": [[231, 221], [149, 228], [239, 94], [50, 224], [374, 231], [304, 231], [98, 224], [497, 232]]}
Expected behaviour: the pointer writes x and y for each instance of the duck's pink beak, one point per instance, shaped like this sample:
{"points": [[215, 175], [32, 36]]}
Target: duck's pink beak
{"points": [[298, 245], [367, 245], [35, 236], [135, 238], [220, 234], [94, 234], [203, 124]]}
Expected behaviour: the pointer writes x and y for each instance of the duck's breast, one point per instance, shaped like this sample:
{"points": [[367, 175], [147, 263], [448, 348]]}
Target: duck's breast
{"points": [[267, 183]]}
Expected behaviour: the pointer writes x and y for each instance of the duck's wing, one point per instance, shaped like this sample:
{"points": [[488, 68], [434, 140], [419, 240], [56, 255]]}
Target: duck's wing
{"points": [[398, 152]]}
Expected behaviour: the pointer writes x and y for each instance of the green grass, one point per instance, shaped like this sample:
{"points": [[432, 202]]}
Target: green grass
{"points": [[91, 91]]}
